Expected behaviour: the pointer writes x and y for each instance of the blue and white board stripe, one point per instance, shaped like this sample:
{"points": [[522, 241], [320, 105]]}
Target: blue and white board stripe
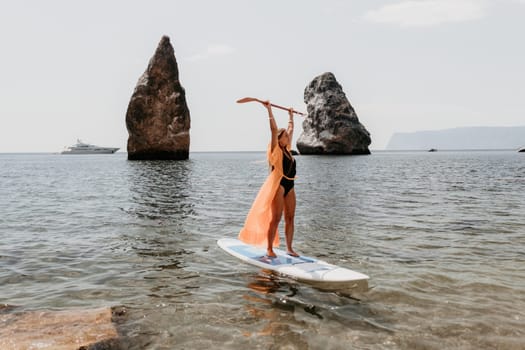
{"points": [[254, 253]]}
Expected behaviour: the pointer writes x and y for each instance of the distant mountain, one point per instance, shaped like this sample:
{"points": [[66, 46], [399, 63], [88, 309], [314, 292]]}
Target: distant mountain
{"points": [[460, 138]]}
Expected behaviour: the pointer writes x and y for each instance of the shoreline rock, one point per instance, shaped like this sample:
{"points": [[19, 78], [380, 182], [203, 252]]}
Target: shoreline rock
{"points": [[331, 126], [61, 330], [158, 118]]}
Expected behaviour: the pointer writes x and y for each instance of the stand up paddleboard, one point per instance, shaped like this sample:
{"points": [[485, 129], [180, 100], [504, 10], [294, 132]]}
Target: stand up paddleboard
{"points": [[305, 269]]}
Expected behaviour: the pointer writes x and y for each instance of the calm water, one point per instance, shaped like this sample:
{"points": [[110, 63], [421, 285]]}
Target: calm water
{"points": [[442, 236]]}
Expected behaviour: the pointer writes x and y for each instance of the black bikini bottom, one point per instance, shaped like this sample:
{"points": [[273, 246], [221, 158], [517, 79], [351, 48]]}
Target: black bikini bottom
{"points": [[287, 184]]}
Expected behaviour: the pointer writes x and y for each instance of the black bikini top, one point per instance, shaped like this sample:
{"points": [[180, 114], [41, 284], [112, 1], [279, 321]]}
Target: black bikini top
{"points": [[289, 167]]}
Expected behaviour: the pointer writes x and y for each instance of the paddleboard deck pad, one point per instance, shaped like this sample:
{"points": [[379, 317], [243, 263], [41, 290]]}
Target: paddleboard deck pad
{"points": [[305, 269]]}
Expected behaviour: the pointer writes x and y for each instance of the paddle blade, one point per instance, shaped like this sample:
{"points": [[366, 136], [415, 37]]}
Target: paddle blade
{"points": [[247, 99]]}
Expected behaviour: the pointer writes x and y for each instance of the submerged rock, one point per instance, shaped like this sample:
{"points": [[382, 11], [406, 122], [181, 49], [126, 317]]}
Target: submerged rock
{"points": [[331, 126], [71, 329], [158, 118]]}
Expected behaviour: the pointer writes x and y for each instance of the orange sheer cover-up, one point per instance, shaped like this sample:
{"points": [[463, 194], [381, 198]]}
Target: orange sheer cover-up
{"points": [[255, 230]]}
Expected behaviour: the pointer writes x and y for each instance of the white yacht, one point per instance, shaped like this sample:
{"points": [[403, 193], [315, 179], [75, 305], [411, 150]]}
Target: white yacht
{"points": [[85, 148]]}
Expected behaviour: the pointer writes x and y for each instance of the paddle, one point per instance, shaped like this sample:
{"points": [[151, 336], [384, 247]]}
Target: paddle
{"points": [[253, 99]]}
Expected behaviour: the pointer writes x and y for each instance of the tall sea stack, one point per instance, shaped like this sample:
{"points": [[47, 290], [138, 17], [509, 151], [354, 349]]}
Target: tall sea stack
{"points": [[158, 118], [331, 126]]}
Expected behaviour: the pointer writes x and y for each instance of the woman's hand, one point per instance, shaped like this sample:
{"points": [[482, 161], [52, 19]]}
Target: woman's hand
{"points": [[290, 112], [268, 105]]}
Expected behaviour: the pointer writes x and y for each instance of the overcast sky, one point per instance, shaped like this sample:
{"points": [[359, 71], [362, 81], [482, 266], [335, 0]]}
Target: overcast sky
{"points": [[68, 68]]}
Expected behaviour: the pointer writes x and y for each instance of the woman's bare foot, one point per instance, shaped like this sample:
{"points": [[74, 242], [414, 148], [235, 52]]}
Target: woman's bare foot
{"points": [[270, 253], [292, 253]]}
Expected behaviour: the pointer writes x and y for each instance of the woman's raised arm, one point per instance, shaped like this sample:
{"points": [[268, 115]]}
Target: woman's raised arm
{"points": [[290, 127], [273, 124]]}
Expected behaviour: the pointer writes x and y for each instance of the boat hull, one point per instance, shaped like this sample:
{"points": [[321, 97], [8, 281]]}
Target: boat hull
{"points": [[96, 151]]}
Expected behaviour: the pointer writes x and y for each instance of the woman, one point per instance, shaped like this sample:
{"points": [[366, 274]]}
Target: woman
{"points": [[277, 194]]}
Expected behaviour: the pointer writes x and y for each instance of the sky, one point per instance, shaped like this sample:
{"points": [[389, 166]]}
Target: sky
{"points": [[68, 68]]}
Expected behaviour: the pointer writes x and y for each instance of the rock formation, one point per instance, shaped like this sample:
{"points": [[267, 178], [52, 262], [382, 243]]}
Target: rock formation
{"points": [[69, 329], [158, 118], [331, 126], [472, 137]]}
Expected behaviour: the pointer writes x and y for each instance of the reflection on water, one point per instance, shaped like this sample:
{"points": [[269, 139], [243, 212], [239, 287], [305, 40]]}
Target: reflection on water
{"points": [[161, 190], [287, 311], [161, 211], [268, 283], [275, 313], [278, 292]]}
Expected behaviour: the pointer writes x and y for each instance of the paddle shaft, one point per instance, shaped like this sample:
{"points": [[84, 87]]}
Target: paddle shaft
{"points": [[253, 99]]}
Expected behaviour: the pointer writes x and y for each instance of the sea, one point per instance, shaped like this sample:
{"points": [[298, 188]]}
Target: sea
{"points": [[441, 235]]}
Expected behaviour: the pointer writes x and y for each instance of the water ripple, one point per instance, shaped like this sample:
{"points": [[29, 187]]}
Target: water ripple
{"points": [[441, 235]]}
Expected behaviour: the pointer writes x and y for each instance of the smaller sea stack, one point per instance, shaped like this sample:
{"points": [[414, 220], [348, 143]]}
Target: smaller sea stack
{"points": [[331, 126]]}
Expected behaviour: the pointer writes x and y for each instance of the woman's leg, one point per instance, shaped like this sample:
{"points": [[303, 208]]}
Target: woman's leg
{"points": [[289, 220], [277, 212]]}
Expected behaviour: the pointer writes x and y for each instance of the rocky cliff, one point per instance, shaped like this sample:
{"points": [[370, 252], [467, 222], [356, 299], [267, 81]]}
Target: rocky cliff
{"points": [[158, 118], [331, 126], [464, 138]]}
